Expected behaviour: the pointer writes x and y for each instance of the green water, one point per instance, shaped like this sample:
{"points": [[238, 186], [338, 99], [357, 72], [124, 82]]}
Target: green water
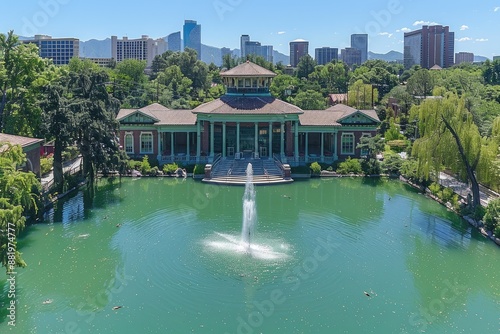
{"points": [[174, 263]]}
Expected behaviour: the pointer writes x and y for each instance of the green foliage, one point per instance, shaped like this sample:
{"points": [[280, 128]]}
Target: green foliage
{"points": [[171, 168], [398, 146], [19, 194], [392, 133], [421, 83], [46, 164], [448, 137], [392, 164], [435, 188], [70, 153], [492, 215], [362, 95], [350, 166], [145, 166], [316, 168], [409, 169], [305, 66], [370, 166], [154, 171], [310, 100], [199, 169]]}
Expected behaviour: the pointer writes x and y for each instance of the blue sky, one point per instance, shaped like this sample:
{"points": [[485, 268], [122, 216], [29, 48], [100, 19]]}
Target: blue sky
{"points": [[273, 22]]}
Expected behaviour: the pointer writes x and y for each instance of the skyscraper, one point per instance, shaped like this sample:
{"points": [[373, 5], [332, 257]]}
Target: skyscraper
{"points": [[351, 56], [244, 39], [143, 48], [325, 55], [464, 57], [174, 41], [60, 50], [192, 36], [298, 49], [360, 42], [429, 46]]}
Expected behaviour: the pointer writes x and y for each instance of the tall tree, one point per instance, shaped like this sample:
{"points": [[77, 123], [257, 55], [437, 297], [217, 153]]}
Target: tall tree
{"points": [[305, 66], [20, 70], [95, 111], [18, 197], [420, 83], [448, 137]]}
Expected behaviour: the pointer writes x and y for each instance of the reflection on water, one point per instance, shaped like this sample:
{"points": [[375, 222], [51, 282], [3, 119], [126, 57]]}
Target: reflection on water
{"points": [[170, 254]]}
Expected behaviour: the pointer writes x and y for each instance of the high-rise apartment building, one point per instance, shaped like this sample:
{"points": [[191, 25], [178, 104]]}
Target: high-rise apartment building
{"points": [[174, 42], [351, 56], [298, 49], [325, 55], [243, 40], [143, 48], [429, 46], [360, 42], [60, 50], [192, 36], [249, 47], [464, 57]]}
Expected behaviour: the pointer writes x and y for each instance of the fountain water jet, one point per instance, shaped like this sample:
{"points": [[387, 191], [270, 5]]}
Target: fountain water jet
{"points": [[249, 209]]}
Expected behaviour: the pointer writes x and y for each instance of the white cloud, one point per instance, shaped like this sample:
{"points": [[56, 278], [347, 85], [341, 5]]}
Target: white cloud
{"points": [[385, 34], [481, 40], [281, 32], [496, 9], [404, 30], [464, 27], [424, 23], [464, 39]]}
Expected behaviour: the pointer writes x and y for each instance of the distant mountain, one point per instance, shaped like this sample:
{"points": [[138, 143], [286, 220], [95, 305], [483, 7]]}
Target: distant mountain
{"points": [[96, 48], [480, 59], [102, 49], [389, 56]]}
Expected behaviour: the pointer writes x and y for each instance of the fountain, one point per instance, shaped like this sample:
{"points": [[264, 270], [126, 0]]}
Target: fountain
{"points": [[248, 243], [249, 209]]}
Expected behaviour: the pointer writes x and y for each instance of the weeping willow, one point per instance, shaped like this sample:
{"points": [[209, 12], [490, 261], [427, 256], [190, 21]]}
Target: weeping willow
{"points": [[449, 138]]}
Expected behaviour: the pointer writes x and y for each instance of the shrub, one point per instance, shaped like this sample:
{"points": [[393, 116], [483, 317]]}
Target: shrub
{"points": [[154, 171], [46, 164], [392, 164], [199, 169], [315, 168], [492, 215], [70, 153], [330, 169], [145, 166], [398, 146], [435, 188], [446, 195], [171, 168], [370, 166], [350, 166]]}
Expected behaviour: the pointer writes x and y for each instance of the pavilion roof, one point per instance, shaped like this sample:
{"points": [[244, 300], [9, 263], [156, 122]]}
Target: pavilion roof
{"points": [[18, 140], [333, 116], [245, 105], [248, 69], [161, 115]]}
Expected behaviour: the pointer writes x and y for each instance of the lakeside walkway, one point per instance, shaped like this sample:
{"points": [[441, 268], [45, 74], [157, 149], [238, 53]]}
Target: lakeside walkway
{"points": [[463, 189], [72, 167]]}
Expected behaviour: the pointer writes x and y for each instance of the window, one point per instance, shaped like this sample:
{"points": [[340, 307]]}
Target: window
{"points": [[347, 145], [146, 143], [129, 143]]}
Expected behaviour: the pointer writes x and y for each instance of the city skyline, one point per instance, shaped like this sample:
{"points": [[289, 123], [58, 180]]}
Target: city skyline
{"points": [[223, 22]]}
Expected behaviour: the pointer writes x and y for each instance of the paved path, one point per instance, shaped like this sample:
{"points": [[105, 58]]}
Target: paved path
{"points": [[72, 166], [463, 189]]}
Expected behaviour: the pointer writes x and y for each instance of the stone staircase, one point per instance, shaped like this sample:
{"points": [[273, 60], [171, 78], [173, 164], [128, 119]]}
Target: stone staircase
{"points": [[231, 171]]}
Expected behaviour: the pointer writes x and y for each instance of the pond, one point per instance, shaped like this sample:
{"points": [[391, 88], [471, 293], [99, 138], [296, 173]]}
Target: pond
{"points": [[165, 255]]}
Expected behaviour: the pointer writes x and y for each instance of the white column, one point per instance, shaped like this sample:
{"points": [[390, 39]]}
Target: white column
{"points": [[172, 153], [322, 146], [198, 140], [335, 149], [224, 139], [212, 135], [256, 139], [296, 141], [158, 157], [270, 151], [306, 153], [237, 136], [282, 133]]}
